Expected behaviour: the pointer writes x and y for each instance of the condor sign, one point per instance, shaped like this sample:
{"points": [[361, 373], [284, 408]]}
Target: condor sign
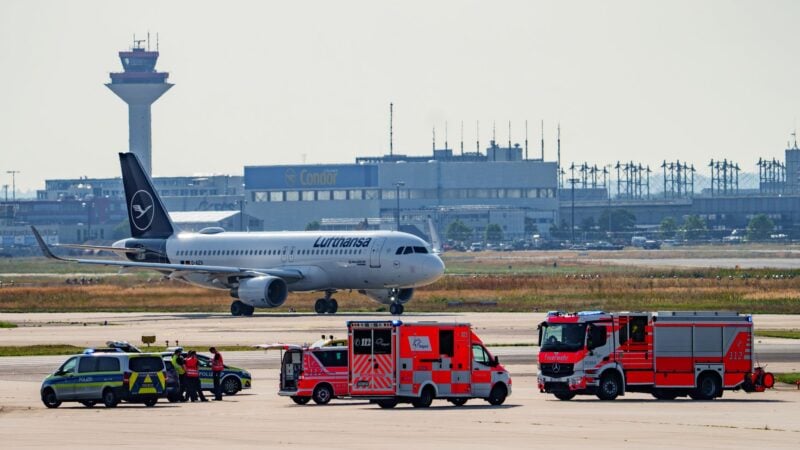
{"points": [[311, 176]]}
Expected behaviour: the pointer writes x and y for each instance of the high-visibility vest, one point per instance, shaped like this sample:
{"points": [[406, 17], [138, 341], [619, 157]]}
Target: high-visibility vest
{"points": [[216, 364], [178, 367], [191, 368]]}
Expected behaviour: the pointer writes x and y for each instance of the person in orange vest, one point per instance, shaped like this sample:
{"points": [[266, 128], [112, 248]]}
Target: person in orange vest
{"points": [[217, 366], [194, 389]]}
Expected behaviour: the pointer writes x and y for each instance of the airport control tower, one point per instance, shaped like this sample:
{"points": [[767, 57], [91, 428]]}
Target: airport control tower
{"points": [[139, 86]]}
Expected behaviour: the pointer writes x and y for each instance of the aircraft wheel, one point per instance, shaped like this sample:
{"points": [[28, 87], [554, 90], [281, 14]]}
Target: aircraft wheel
{"points": [[396, 309], [333, 306], [320, 306], [237, 308], [248, 310]]}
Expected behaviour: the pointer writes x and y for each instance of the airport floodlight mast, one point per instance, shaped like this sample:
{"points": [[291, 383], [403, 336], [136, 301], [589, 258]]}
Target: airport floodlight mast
{"points": [[771, 176], [5, 188], [397, 186], [572, 181], [13, 184], [724, 177]]}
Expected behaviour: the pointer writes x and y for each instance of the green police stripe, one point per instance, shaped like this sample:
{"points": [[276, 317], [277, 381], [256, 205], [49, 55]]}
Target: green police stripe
{"points": [[74, 385]]}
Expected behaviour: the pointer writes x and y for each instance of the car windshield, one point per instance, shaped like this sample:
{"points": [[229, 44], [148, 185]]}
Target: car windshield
{"points": [[563, 336]]}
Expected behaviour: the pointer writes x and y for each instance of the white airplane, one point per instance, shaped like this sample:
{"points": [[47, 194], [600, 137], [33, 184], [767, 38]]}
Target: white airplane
{"points": [[259, 269]]}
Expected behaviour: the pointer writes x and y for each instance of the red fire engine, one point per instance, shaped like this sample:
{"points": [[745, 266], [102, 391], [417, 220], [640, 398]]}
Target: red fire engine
{"points": [[667, 354], [393, 362]]}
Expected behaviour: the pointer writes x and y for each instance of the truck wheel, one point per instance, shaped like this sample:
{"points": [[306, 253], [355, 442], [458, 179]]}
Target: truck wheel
{"points": [[387, 403], [610, 387], [88, 403], [300, 400], [564, 396], [425, 398], [110, 398], [322, 394], [665, 394], [458, 401], [231, 385], [707, 388], [498, 395], [50, 399], [150, 402]]}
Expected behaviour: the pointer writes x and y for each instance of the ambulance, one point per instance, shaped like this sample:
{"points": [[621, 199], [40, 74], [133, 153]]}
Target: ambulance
{"points": [[666, 354], [391, 362]]}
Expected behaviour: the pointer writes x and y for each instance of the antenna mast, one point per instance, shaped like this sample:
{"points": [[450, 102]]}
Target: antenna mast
{"points": [[526, 140], [542, 139], [391, 129], [462, 138]]}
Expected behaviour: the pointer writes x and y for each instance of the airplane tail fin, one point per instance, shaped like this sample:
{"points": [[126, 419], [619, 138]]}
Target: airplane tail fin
{"points": [[146, 213], [436, 243]]}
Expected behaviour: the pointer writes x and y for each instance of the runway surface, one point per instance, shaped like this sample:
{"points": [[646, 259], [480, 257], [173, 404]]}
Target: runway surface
{"points": [[260, 418]]}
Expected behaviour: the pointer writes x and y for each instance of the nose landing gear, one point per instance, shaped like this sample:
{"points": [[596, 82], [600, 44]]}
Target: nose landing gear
{"points": [[396, 309]]}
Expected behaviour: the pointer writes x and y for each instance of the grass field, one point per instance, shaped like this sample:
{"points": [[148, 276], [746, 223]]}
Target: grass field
{"points": [[60, 349], [785, 334], [485, 283]]}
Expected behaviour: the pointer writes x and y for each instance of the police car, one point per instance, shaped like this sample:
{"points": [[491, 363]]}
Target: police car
{"points": [[233, 379], [107, 377]]}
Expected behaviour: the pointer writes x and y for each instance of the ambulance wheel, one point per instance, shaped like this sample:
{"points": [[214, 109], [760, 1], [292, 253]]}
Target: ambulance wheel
{"points": [[150, 402], [320, 306], [665, 394], [458, 401], [110, 398], [237, 308], [707, 388], [387, 403], [610, 387], [333, 306], [396, 309], [50, 399], [322, 394], [231, 385], [498, 395], [88, 403], [248, 310], [564, 396], [425, 398], [300, 400]]}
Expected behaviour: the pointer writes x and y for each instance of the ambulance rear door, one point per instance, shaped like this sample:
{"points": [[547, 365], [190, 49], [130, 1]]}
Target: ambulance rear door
{"points": [[372, 359]]}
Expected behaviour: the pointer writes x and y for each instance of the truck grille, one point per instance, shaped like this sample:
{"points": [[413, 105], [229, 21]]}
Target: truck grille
{"points": [[556, 370]]}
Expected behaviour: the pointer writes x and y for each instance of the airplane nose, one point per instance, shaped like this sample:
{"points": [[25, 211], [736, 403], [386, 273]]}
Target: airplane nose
{"points": [[436, 268]]}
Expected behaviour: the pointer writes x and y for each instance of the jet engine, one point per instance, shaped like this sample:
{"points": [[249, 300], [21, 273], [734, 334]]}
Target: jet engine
{"points": [[389, 296], [261, 292]]}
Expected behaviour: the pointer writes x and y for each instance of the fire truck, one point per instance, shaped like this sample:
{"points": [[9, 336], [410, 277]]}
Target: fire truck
{"points": [[393, 362], [667, 354]]}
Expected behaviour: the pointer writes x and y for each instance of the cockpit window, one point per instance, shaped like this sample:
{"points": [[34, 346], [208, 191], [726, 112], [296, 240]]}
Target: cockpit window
{"points": [[420, 250], [408, 250], [399, 251]]}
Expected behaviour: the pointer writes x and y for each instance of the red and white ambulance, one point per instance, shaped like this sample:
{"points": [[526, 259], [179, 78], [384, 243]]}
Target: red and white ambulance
{"points": [[667, 354], [392, 362]]}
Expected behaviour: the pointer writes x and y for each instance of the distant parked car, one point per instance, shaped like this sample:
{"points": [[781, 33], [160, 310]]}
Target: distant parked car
{"points": [[476, 247], [651, 245]]}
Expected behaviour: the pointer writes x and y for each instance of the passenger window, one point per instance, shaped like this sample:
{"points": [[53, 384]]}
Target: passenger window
{"points": [[87, 364], [399, 251], [408, 250], [69, 365], [446, 342], [422, 250], [479, 354], [637, 328], [623, 334], [106, 364]]}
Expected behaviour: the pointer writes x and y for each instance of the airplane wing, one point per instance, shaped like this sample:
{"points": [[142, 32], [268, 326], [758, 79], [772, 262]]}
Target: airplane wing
{"points": [[287, 274], [278, 346], [107, 248]]}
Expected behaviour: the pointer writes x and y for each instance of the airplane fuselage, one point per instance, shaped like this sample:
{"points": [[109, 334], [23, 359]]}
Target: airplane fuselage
{"points": [[327, 260]]}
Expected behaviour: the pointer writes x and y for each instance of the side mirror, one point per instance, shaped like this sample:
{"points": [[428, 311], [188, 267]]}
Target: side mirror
{"points": [[496, 361]]}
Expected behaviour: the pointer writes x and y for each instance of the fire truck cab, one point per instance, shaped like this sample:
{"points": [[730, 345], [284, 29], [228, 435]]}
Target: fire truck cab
{"points": [[667, 354], [393, 362]]}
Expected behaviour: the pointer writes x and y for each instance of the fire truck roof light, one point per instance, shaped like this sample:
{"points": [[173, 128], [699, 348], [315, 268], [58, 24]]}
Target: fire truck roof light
{"points": [[397, 323], [749, 318]]}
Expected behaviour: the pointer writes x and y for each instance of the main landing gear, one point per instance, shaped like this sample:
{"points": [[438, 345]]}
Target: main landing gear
{"points": [[396, 309], [239, 308], [326, 305]]}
